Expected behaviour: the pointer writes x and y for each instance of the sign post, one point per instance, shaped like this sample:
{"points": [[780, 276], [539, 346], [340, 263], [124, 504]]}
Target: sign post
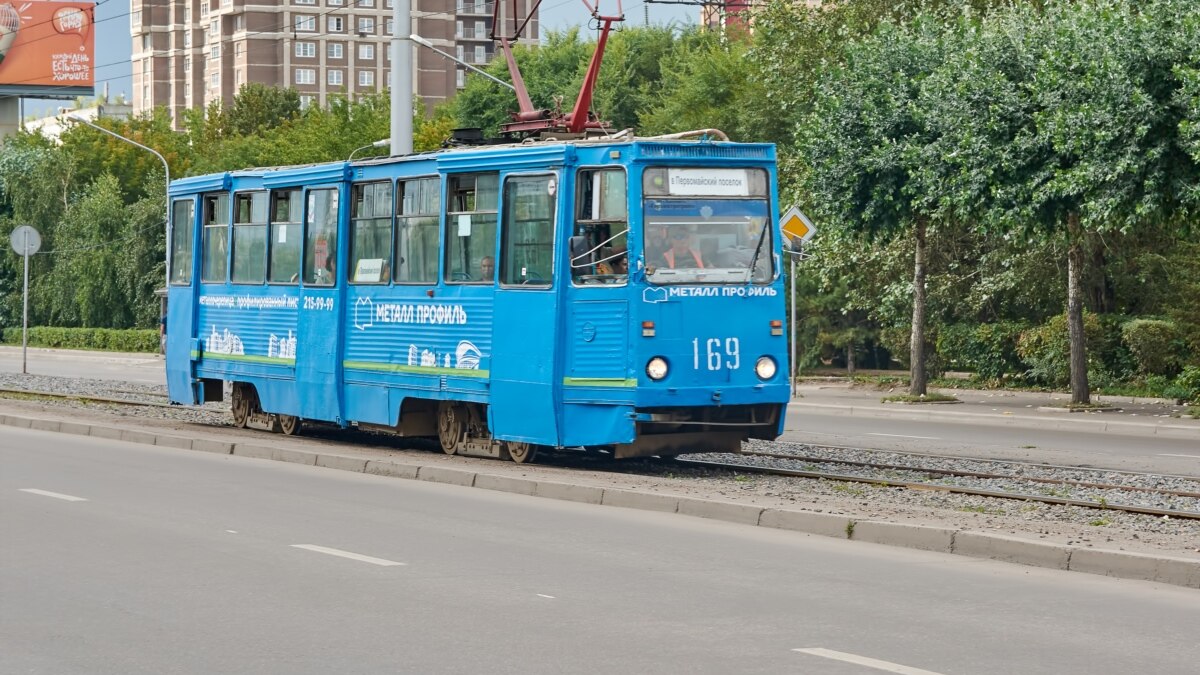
{"points": [[799, 230], [25, 241]]}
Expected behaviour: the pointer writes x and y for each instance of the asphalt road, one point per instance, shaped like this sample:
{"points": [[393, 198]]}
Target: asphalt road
{"points": [[118, 367], [1004, 439], [121, 558]]}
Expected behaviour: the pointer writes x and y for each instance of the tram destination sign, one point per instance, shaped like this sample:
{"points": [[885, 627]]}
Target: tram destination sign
{"points": [[708, 182]]}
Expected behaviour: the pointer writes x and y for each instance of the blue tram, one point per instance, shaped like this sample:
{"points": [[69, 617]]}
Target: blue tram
{"points": [[616, 294]]}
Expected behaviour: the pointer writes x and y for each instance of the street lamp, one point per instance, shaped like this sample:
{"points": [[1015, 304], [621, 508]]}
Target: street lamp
{"points": [[377, 144], [166, 177]]}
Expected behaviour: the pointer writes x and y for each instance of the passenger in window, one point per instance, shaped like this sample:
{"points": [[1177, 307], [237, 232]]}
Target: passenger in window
{"points": [[617, 263], [487, 268], [327, 274], [682, 254]]}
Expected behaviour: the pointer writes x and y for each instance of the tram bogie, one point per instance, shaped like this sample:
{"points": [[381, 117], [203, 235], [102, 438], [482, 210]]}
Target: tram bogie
{"points": [[622, 295]]}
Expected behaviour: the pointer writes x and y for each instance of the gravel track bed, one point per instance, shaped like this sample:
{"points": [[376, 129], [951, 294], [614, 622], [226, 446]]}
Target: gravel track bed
{"points": [[1070, 524], [1012, 469], [1013, 486]]}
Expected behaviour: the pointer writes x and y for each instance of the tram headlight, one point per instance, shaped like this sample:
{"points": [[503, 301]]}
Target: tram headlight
{"points": [[765, 368], [656, 368]]}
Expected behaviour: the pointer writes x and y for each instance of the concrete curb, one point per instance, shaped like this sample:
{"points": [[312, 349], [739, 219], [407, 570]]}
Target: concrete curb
{"points": [[1061, 423], [1122, 564]]}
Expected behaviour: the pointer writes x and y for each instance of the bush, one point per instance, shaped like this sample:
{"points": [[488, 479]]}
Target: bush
{"points": [[1046, 349], [1187, 385], [1155, 344], [898, 341], [102, 339], [989, 349]]}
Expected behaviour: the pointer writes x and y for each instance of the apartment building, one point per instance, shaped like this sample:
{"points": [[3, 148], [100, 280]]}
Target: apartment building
{"points": [[189, 53]]}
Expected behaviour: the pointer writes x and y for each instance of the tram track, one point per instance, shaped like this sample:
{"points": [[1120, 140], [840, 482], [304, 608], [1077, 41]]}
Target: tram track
{"points": [[914, 474], [7, 392], [916, 477]]}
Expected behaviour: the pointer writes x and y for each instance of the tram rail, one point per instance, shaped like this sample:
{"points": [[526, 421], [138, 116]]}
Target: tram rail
{"points": [[891, 481], [749, 457]]}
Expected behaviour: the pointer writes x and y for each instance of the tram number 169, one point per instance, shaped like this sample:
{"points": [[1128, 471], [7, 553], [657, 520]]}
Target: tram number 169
{"points": [[716, 353]]}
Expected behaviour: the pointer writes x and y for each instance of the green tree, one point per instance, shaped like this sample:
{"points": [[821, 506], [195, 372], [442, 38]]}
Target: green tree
{"points": [[257, 108], [864, 142], [1061, 125], [705, 84]]}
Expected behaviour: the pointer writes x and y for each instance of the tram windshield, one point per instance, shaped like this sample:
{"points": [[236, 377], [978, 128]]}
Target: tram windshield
{"points": [[707, 226]]}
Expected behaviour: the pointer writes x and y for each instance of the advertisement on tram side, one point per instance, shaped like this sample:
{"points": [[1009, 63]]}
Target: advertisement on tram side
{"points": [[47, 48]]}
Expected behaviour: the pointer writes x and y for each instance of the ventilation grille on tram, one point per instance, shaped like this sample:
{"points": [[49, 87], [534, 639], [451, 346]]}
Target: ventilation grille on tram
{"points": [[699, 150]]}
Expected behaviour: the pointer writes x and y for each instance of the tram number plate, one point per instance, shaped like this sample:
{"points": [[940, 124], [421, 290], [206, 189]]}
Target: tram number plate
{"points": [[716, 353], [320, 304]]}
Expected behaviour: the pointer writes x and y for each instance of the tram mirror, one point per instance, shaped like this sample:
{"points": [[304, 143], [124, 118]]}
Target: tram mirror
{"points": [[579, 251]]}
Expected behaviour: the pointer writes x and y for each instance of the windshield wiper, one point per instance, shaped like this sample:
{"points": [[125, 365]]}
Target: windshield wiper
{"points": [[757, 249]]}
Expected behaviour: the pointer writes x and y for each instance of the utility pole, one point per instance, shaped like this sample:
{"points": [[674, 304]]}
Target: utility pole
{"points": [[402, 82]]}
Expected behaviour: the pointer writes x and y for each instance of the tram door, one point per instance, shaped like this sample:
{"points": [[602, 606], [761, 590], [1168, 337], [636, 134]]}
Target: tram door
{"points": [[524, 329], [318, 325], [180, 324]]}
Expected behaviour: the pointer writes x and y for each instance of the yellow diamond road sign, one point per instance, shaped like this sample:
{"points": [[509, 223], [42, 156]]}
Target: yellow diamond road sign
{"points": [[796, 225]]}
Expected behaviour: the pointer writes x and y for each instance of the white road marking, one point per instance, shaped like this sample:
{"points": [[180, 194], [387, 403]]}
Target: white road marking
{"points": [[231, 531], [346, 554], [924, 438], [56, 495], [1188, 456], [548, 597], [865, 661]]}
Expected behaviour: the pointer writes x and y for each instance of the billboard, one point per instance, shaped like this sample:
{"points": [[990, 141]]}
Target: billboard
{"points": [[46, 48]]}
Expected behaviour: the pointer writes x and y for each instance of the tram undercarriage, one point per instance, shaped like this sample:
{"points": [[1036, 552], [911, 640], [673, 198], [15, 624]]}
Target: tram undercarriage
{"points": [[461, 427]]}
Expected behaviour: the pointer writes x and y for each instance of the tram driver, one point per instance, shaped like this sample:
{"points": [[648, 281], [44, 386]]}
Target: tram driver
{"points": [[487, 268], [682, 254]]}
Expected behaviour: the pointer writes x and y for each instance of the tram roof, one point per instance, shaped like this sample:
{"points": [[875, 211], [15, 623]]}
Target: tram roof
{"points": [[456, 157]]}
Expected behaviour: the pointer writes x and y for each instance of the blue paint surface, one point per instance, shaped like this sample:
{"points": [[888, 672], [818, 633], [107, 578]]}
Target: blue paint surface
{"points": [[555, 359]]}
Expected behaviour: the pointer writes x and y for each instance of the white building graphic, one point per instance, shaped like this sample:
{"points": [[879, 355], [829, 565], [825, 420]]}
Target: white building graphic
{"points": [[282, 348], [223, 343]]}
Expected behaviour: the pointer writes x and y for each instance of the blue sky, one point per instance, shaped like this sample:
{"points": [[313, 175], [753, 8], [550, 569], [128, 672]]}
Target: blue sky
{"points": [[114, 45]]}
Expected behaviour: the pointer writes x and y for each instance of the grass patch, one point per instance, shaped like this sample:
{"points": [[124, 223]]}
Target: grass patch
{"points": [[1100, 522], [1087, 406], [924, 398], [981, 509], [851, 489]]}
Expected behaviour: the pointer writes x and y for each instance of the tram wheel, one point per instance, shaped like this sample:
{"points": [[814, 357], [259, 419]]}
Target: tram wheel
{"points": [[519, 452], [289, 425], [452, 426], [243, 404]]}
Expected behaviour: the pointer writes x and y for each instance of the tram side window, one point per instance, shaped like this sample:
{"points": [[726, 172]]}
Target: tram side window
{"points": [[471, 227], [370, 232], [418, 204], [215, 253], [286, 212], [182, 222], [249, 238], [527, 256], [602, 220], [320, 238]]}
